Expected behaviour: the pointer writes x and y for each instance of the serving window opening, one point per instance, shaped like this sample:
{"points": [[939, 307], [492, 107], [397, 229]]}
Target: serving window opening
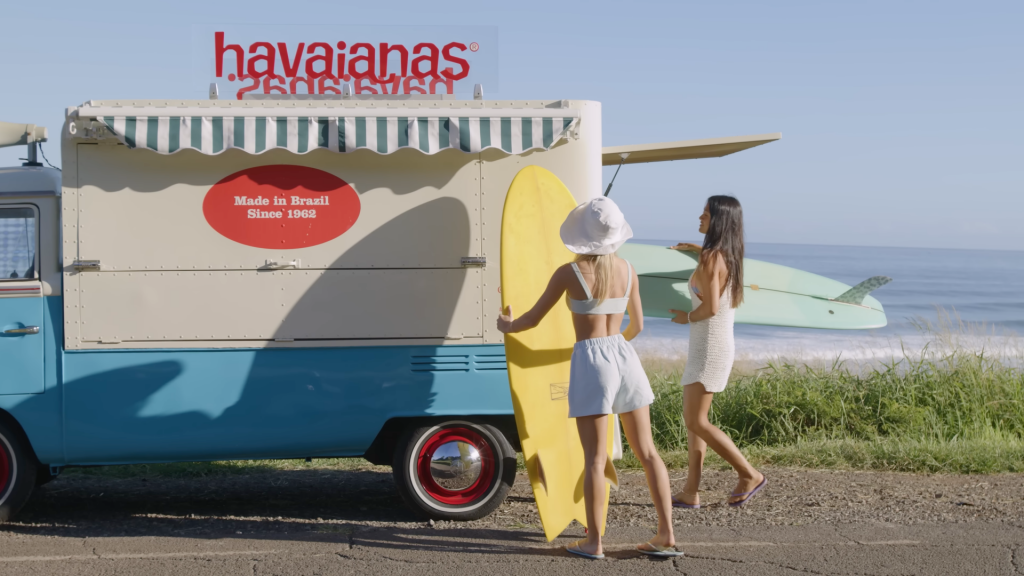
{"points": [[18, 243]]}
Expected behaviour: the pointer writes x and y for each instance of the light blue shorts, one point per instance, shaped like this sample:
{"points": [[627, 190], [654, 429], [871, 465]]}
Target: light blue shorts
{"points": [[606, 378]]}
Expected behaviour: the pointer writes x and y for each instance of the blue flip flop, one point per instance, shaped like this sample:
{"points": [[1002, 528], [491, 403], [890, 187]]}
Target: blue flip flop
{"points": [[574, 548], [681, 504], [749, 495]]}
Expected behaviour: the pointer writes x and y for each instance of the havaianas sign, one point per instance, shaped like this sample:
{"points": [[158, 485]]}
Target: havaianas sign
{"points": [[322, 59]]}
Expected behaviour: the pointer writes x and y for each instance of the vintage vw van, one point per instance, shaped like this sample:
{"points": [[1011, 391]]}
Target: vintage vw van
{"points": [[211, 280]]}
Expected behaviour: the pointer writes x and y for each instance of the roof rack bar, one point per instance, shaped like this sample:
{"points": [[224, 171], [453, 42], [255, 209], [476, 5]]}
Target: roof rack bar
{"points": [[347, 112]]}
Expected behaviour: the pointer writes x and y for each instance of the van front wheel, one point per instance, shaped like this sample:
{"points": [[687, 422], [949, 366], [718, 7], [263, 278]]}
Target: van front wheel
{"points": [[17, 472], [454, 470]]}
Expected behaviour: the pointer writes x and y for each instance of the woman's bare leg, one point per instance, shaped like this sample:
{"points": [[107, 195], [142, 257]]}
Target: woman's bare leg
{"points": [[696, 449], [593, 432], [696, 403], [637, 426]]}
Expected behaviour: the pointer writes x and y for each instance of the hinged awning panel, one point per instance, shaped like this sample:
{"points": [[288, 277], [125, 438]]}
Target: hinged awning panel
{"points": [[257, 134], [683, 150]]}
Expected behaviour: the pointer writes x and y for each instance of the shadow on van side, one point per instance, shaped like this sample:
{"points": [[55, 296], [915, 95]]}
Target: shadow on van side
{"points": [[197, 404]]}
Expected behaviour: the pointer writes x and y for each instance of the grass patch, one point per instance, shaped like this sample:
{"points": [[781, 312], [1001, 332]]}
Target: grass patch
{"points": [[948, 409]]}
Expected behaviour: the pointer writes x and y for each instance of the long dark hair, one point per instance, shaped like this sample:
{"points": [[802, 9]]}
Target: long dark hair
{"points": [[725, 237]]}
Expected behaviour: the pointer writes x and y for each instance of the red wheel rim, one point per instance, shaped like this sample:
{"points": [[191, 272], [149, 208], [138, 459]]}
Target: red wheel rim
{"points": [[442, 494], [5, 470]]}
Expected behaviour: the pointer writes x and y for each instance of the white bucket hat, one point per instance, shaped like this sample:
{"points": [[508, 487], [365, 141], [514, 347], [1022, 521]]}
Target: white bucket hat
{"points": [[595, 227]]}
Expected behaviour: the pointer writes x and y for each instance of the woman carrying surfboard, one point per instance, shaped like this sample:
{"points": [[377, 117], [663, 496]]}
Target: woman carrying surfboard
{"points": [[606, 376], [716, 289]]}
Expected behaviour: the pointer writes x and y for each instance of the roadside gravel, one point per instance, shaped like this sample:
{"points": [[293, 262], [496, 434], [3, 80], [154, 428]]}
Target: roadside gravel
{"points": [[348, 501]]}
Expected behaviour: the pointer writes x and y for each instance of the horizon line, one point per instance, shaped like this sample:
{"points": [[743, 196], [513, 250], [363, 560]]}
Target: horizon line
{"points": [[661, 240]]}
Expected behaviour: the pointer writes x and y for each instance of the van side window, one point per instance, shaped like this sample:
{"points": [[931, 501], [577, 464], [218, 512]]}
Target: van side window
{"points": [[17, 244]]}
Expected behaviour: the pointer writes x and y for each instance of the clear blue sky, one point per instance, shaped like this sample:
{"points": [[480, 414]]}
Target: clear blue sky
{"points": [[901, 121]]}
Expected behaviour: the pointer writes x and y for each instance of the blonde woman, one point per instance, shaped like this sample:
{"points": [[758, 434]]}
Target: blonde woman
{"points": [[606, 376], [716, 289]]}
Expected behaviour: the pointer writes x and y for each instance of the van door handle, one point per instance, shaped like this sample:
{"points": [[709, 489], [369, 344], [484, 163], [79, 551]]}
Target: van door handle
{"points": [[25, 330]]}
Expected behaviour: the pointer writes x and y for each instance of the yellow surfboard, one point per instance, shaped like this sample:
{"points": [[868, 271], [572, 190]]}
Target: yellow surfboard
{"points": [[538, 359]]}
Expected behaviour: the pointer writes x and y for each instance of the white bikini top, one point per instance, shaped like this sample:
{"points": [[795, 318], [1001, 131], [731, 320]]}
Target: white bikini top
{"points": [[609, 305]]}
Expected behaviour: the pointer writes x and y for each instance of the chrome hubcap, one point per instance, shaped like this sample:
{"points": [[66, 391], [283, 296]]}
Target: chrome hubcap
{"points": [[455, 465]]}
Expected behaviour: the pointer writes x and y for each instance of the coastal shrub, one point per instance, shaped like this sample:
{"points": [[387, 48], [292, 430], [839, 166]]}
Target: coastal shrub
{"points": [[886, 416]]}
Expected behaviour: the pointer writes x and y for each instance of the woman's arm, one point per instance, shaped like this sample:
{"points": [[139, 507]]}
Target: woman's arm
{"points": [[635, 310], [508, 324], [715, 265], [686, 247]]}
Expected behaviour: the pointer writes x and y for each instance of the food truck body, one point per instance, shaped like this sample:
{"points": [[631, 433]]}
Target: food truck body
{"points": [[220, 280], [212, 280]]}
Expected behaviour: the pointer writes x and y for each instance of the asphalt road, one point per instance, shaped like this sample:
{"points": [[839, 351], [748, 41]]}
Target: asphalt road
{"points": [[338, 522]]}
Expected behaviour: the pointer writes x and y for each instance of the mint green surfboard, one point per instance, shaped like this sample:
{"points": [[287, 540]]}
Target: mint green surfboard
{"points": [[773, 295]]}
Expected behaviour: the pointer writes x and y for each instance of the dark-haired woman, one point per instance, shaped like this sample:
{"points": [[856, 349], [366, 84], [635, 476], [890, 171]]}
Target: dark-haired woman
{"points": [[716, 289]]}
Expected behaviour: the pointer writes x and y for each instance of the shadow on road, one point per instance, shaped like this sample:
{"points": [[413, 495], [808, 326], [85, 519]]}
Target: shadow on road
{"points": [[350, 508]]}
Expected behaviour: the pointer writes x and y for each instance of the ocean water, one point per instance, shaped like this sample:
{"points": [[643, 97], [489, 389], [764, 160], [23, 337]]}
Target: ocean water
{"points": [[973, 297]]}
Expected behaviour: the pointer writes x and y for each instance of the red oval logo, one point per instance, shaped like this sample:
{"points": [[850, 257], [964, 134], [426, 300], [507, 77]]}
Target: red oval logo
{"points": [[281, 206]]}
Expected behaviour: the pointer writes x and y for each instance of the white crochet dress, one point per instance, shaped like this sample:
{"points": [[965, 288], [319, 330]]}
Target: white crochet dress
{"points": [[712, 346]]}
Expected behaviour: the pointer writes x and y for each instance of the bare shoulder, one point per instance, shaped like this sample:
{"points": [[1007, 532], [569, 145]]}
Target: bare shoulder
{"points": [[714, 260], [563, 272], [624, 265]]}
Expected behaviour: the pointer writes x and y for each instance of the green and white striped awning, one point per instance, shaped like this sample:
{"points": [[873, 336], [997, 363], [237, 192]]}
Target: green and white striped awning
{"points": [[215, 134]]}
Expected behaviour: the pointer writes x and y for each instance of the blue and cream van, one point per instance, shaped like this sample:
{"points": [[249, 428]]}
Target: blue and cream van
{"points": [[216, 280]]}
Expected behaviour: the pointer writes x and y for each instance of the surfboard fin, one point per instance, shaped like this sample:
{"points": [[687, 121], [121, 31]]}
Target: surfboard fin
{"points": [[856, 294], [540, 475], [610, 474]]}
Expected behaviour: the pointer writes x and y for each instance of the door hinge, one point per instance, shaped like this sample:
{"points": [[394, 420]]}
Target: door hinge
{"points": [[474, 260], [274, 265]]}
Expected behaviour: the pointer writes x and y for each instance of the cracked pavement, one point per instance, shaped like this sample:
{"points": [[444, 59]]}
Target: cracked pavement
{"points": [[316, 521]]}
